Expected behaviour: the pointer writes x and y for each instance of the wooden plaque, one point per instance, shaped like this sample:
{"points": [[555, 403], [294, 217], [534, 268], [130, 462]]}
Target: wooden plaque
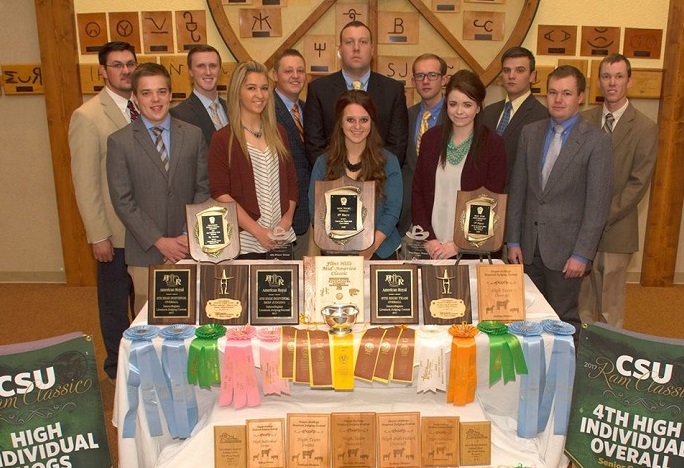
{"points": [[181, 87], [346, 12], [260, 22], [599, 41], [308, 440], [157, 32], [230, 447], [344, 215], [172, 294], [353, 440], [223, 294], [91, 79], [224, 77], [398, 27], [446, 294], [92, 32], [213, 231], [274, 294], [646, 83], [25, 78], [539, 86], [320, 54], [191, 29], [266, 443], [398, 67], [446, 6], [394, 294], [642, 43], [500, 292], [398, 440], [439, 437], [484, 25], [480, 220], [581, 64], [338, 280], [556, 40], [125, 26], [475, 443]]}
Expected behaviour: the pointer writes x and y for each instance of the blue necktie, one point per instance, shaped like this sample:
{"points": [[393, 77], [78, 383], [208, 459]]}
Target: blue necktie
{"points": [[505, 118]]}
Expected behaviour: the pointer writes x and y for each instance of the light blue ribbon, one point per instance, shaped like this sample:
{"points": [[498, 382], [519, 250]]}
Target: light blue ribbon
{"points": [[174, 365], [532, 383], [559, 378]]}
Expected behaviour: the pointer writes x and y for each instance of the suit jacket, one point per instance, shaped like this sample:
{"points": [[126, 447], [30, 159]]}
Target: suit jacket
{"points": [[193, 112], [149, 200], [301, 220], [390, 103], [568, 216], [635, 147], [91, 124], [531, 110]]}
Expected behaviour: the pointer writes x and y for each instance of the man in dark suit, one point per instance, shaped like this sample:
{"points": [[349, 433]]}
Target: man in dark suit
{"points": [[508, 116], [204, 108], [155, 166], [559, 195], [289, 75], [356, 51], [635, 147]]}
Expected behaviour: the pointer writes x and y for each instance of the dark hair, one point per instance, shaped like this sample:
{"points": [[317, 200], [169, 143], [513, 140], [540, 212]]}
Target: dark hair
{"points": [[563, 71], [515, 52], [115, 46], [202, 48], [469, 84], [616, 58], [442, 62], [286, 53], [149, 69], [356, 24], [373, 156]]}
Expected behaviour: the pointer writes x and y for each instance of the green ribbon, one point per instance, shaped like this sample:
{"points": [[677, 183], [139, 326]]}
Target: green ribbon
{"points": [[203, 356], [505, 353]]}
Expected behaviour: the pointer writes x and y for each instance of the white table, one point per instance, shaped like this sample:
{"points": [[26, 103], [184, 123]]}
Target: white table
{"points": [[498, 403]]}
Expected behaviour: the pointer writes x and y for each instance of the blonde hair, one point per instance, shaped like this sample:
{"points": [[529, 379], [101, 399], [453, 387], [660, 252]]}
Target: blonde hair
{"points": [[268, 118]]}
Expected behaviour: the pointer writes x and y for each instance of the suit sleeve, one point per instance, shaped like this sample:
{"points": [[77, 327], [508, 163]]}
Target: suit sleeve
{"points": [[202, 176], [314, 133], [397, 136], [517, 193]]}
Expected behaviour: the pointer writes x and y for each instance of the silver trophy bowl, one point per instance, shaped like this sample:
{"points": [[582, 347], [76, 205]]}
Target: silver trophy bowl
{"points": [[340, 318]]}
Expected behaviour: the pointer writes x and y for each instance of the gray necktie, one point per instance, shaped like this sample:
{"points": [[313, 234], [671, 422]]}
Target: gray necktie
{"points": [[610, 121], [552, 153], [161, 147]]}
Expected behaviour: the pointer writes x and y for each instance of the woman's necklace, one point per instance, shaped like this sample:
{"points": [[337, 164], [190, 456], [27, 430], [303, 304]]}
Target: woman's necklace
{"points": [[257, 133], [352, 167], [456, 153]]}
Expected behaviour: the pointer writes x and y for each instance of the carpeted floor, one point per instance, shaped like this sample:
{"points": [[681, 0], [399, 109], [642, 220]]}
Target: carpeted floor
{"points": [[35, 311]]}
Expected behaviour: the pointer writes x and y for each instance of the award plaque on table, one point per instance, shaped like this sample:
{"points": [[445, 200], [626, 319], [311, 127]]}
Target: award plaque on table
{"points": [[394, 294], [230, 449], [266, 443], [475, 443], [213, 231], [344, 215], [500, 292], [446, 294], [439, 437], [338, 281], [223, 294], [308, 440], [480, 220], [398, 440], [353, 440], [172, 294], [274, 293]]}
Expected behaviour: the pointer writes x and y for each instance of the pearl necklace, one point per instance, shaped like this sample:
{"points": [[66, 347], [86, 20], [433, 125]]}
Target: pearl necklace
{"points": [[257, 133], [456, 153]]}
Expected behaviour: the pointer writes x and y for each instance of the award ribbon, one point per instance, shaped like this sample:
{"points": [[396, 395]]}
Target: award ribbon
{"points": [[559, 378], [431, 359], [505, 353], [175, 365], [463, 365], [343, 362], [269, 358], [203, 357], [531, 384], [402, 365], [239, 383]]}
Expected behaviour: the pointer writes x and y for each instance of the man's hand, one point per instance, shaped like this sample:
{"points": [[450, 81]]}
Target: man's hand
{"points": [[174, 249], [103, 251], [515, 254], [574, 268]]}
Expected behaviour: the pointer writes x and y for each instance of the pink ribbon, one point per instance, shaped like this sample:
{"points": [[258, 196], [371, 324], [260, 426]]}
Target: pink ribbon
{"points": [[238, 376], [269, 358]]}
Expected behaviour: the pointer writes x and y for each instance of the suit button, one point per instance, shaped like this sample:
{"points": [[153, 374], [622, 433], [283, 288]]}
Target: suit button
{"points": [[535, 223], [541, 202]]}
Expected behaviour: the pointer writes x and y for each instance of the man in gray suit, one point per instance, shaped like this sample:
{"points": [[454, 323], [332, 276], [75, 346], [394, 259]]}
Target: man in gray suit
{"points": [[91, 124], [635, 147], [204, 108], [155, 166], [429, 77], [508, 116], [560, 195]]}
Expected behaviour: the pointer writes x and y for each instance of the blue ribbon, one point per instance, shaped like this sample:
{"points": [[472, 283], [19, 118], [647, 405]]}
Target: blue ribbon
{"points": [[174, 365], [532, 383], [559, 378]]}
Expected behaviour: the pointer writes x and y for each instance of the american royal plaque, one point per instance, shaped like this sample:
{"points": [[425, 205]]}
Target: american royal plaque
{"points": [[480, 220], [274, 294], [172, 294], [213, 231], [223, 294], [446, 294], [394, 294]]}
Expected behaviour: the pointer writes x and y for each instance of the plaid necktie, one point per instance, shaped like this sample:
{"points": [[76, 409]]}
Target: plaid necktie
{"points": [[610, 121], [161, 148], [132, 111]]}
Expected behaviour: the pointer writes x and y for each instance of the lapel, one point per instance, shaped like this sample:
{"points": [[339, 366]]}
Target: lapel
{"points": [[568, 151], [624, 126], [111, 110], [495, 113], [201, 111], [536, 153], [177, 135], [518, 118], [339, 86], [144, 139], [284, 116]]}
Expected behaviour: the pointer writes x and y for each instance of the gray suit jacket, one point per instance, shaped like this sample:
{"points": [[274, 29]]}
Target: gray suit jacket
{"points": [[193, 112], [150, 201], [91, 124], [635, 147], [568, 216], [531, 110]]}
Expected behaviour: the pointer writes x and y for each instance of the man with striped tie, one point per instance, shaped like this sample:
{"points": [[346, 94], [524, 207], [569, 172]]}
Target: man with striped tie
{"points": [[155, 166]]}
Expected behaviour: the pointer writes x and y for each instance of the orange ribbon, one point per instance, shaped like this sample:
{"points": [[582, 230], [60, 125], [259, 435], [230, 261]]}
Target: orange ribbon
{"points": [[463, 365]]}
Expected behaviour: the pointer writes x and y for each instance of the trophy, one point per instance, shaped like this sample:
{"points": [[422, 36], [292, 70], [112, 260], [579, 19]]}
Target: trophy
{"points": [[340, 318]]}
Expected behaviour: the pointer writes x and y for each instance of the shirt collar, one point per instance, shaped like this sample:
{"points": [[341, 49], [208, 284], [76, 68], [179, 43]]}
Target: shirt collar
{"points": [[567, 125], [364, 80], [517, 102], [287, 101], [166, 124], [206, 102], [120, 101], [434, 110], [616, 114]]}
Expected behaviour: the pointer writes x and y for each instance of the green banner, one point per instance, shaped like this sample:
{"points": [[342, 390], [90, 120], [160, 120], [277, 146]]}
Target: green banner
{"points": [[50, 405], [628, 401]]}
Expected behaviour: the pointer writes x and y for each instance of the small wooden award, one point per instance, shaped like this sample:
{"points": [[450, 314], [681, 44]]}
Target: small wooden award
{"points": [[399, 440], [266, 443], [500, 292], [353, 439], [475, 443], [213, 231], [230, 450], [480, 221], [439, 436], [308, 440]]}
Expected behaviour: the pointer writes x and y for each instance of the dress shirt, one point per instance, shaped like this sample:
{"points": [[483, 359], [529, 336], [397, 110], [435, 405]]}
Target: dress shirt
{"points": [[432, 121], [206, 102], [515, 105], [166, 134], [616, 114], [364, 80]]}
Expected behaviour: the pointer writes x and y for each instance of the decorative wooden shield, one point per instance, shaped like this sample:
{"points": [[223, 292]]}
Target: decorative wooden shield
{"points": [[213, 231], [480, 220]]}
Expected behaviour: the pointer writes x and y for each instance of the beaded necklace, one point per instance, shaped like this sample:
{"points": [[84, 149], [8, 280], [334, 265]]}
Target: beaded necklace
{"points": [[455, 154]]}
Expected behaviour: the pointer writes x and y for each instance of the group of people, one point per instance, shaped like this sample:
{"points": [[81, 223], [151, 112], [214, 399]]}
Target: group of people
{"points": [[573, 181]]}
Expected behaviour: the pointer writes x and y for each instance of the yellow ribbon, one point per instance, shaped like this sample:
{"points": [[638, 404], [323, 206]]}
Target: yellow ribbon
{"points": [[463, 365]]}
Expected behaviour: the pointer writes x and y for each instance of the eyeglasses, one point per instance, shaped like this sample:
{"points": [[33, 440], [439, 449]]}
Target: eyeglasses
{"points": [[432, 76], [120, 65]]}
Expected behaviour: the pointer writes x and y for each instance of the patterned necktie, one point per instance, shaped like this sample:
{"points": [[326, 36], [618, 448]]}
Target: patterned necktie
{"points": [[298, 120], [214, 114], [505, 118], [423, 128], [356, 84], [132, 111], [610, 121], [552, 153], [161, 147]]}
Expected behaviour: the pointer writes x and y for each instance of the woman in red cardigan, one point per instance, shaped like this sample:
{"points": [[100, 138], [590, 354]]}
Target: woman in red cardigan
{"points": [[250, 164], [458, 154]]}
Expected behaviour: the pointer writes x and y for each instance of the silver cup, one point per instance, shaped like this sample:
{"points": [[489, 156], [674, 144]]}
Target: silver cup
{"points": [[340, 318]]}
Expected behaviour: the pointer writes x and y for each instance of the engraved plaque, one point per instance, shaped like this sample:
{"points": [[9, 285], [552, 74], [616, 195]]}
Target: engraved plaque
{"points": [[484, 25], [480, 220], [556, 40], [172, 294], [320, 54], [91, 79], [274, 294], [262, 22], [598, 41], [346, 12], [500, 292], [125, 26], [230, 449], [398, 27], [353, 440], [394, 294], [446, 294], [308, 440], [642, 43], [439, 436], [398, 440], [191, 29], [266, 443], [181, 87], [475, 443], [157, 32], [213, 230], [92, 32], [223, 294], [22, 78]]}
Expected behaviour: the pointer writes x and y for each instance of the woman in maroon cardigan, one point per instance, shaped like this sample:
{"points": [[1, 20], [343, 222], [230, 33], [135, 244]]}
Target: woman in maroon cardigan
{"points": [[250, 164], [458, 154]]}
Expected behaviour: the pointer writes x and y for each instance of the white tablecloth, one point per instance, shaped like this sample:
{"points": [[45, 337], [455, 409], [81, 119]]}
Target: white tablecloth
{"points": [[498, 404]]}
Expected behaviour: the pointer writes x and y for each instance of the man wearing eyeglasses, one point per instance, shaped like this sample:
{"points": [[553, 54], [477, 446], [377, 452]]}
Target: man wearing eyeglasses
{"points": [[91, 124]]}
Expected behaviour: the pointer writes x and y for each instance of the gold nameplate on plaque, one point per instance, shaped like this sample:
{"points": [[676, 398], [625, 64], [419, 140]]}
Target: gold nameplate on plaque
{"points": [[213, 230], [344, 213], [480, 220]]}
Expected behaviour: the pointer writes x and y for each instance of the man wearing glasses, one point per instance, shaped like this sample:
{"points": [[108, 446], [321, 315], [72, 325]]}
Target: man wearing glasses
{"points": [[429, 77], [91, 124]]}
